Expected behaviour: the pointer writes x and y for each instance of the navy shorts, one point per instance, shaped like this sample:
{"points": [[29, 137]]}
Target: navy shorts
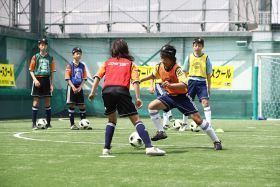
{"points": [[72, 98], [182, 102], [44, 90], [117, 98], [159, 89], [198, 88]]}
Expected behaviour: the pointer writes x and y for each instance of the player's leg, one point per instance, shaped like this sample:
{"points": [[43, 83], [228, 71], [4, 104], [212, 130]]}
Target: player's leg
{"points": [[154, 108], [109, 132], [71, 102], [206, 127], [48, 111], [207, 110], [144, 135], [35, 106], [202, 93], [184, 126]]}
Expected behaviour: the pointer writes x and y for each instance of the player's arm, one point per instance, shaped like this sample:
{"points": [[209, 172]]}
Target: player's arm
{"points": [[209, 74], [135, 82], [84, 79], [68, 72], [148, 77], [31, 70], [152, 88], [98, 76], [53, 69]]}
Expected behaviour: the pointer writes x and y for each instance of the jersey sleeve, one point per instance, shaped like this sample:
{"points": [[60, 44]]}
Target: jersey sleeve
{"points": [[68, 72], [156, 71], [32, 63], [181, 75], [85, 73], [208, 66], [185, 67], [134, 74], [101, 72]]}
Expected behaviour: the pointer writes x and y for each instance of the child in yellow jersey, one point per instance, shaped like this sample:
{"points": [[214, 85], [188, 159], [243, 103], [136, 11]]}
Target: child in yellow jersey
{"points": [[174, 82], [198, 69]]}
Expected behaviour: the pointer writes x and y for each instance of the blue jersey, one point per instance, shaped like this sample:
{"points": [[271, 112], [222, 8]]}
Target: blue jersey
{"points": [[76, 73]]}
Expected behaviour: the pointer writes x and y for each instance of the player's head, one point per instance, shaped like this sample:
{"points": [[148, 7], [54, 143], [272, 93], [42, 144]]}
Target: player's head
{"points": [[77, 53], [43, 44], [168, 51], [198, 44], [120, 50]]}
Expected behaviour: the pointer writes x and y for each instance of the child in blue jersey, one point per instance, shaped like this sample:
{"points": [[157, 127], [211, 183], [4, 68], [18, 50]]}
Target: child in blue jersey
{"points": [[198, 69], [76, 75], [174, 82], [42, 68]]}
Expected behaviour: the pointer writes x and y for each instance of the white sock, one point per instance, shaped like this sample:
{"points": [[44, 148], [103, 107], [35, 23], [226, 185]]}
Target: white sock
{"points": [[185, 119], [207, 113], [165, 118], [209, 131], [155, 116]]}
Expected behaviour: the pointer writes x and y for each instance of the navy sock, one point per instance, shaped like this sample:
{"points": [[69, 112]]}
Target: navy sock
{"points": [[144, 135], [83, 114], [109, 132], [34, 114], [48, 114], [71, 112]]}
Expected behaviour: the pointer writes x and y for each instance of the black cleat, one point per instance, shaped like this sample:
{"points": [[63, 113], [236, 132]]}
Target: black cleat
{"points": [[218, 145], [160, 135], [48, 126]]}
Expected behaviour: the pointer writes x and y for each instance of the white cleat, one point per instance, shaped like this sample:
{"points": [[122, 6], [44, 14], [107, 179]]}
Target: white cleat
{"points": [[106, 152], [153, 151], [183, 127]]}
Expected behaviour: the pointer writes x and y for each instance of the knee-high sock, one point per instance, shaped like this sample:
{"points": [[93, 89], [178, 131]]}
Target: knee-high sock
{"points": [[83, 114], [144, 135], [155, 116], [209, 131], [207, 113], [165, 118], [48, 114], [185, 119], [71, 112], [34, 114], [109, 132]]}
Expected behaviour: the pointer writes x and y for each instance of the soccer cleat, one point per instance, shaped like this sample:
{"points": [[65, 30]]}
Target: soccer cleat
{"points": [[183, 127], [171, 119], [48, 126], [34, 127], [153, 151], [159, 136], [74, 127], [106, 151], [165, 127], [88, 128], [218, 145]]}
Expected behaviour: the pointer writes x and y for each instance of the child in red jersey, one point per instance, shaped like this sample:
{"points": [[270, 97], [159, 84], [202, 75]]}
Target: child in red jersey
{"points": [[120, 71], [174, 82]]}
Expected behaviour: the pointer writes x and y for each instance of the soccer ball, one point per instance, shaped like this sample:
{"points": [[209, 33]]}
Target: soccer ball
{"points": [[177, 124], [84, 124], [41, 123], [194, 127], [135, 140]]}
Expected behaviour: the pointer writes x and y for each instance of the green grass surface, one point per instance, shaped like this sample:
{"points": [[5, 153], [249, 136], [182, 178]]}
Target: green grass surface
{"points": [[61, 157]]}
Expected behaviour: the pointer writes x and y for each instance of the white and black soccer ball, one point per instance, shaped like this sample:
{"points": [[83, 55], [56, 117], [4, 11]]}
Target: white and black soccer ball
{"points": [[135, 140], [177, 124], [41, 123], [194, 127], [84, 124]]}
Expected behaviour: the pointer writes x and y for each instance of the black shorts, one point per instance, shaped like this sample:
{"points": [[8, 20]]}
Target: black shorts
{"points": [[118, 98], [44, 90], [76, 99]]}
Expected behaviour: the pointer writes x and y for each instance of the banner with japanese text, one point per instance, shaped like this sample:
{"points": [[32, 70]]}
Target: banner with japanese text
{"points": [[143, 72], [222, 76], [7, 76]]}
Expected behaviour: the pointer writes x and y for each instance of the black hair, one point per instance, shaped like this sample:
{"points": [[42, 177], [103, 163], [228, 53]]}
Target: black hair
{"points": [[120, 50]]}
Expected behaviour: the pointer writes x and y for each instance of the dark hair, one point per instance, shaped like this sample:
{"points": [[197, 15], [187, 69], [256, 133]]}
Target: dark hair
{"points": [[120, 50], [168, 51], [43, 40], [76, 49], [199, 41]]}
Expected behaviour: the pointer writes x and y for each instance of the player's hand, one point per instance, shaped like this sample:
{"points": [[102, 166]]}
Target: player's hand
{"points": [[37, 83], [138, 103], [79, 89], [166, 84], [151, 90], [91, 96], [51, 88], [75, 90]]}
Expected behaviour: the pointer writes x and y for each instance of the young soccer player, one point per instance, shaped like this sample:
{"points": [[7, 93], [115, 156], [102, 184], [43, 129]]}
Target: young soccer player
{"points": [[76, 75], [42, 68], [198, 69], [120, 71], [174, 82]]}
